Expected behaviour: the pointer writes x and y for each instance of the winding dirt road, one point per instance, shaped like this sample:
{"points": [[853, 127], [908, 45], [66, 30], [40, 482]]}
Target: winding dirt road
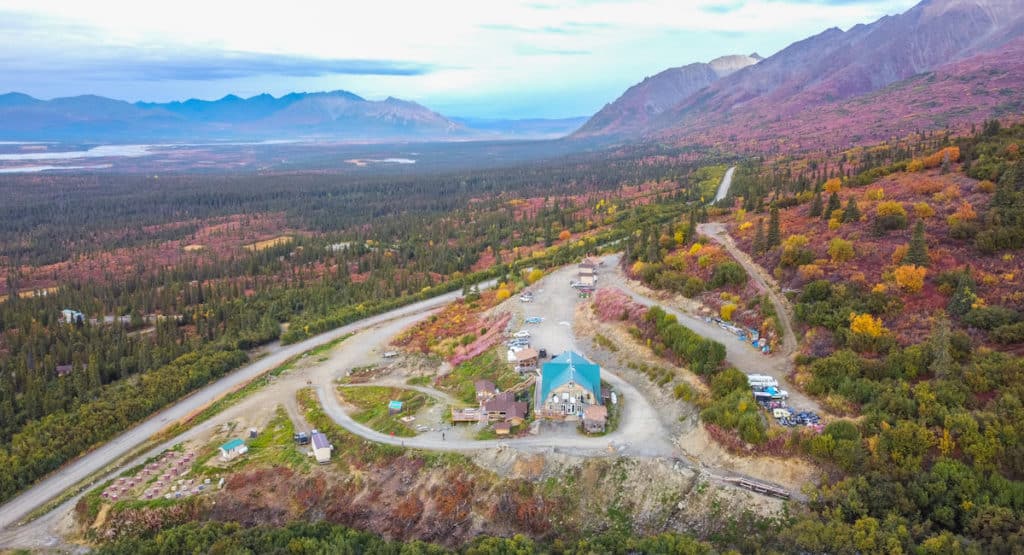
{"points": [[74, 472], [641, 432]]}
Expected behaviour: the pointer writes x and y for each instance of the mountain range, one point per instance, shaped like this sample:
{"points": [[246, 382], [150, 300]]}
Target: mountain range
{"points": [[324, 115], [814, 84], [942, 63]]}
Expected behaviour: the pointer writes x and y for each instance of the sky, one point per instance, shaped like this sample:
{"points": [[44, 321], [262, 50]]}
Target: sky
{"points": [[474, 58]]}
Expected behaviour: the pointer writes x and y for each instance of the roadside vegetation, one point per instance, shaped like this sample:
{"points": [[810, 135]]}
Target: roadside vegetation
{"points": [[371, 403], [151, 310], [488, 366]]}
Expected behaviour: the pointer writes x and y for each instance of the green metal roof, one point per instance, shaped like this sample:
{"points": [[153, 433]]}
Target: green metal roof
{"points": [[232, 445], [570, 366]]}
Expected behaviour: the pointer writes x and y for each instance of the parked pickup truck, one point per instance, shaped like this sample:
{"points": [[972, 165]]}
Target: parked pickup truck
{"points": [[771, 394]]}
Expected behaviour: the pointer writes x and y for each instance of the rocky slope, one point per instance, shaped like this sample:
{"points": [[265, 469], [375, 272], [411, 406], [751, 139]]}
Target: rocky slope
{"points": [[639, 106], [843, 74]]}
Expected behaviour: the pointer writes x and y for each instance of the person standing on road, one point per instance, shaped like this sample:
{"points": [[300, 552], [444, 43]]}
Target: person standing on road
{"points": [[442, 436]]}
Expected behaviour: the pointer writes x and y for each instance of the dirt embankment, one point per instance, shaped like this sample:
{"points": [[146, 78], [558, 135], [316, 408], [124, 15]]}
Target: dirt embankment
{"points": [[451, 500]]}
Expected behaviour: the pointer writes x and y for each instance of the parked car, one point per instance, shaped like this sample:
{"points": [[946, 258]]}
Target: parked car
{"points": [[526, 297], [522, 334], [543, 353], [301, 438], [534, 320]]}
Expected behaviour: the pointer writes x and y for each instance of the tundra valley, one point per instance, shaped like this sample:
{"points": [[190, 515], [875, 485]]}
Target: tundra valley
{"points": [[767, 300]]}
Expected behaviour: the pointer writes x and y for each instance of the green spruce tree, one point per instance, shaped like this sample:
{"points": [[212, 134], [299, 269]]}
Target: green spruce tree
{"points": [[833, 204], [851, 213], [816, 206], [917, 251], [774, 237], [963, 296], [942, 365], [759, 247]]}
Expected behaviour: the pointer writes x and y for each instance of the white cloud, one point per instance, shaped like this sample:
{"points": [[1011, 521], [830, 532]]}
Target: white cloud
{"points": [[478, 49]]}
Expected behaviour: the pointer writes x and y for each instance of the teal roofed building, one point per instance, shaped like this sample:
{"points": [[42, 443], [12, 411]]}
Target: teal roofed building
{"points": [[232, 449], [569, 383]]}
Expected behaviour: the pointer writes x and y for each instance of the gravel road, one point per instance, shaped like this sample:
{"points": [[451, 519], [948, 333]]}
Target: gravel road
{"points": [[641, 433], [723, 187], [738, 353], [72, 473]]}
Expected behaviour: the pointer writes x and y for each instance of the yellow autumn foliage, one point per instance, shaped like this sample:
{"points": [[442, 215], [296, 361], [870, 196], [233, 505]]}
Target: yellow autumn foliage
{"points": [[877, 193], [910, 278], [866, 324], [923, 210], [891, 208], [503, 292]]}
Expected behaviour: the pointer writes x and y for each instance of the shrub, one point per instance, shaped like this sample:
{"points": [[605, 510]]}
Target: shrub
{"points": [[727, 310], [891, 208], [614, 305], [843, 429], [809, 272], [923, 210], [991, 317], [727, 381], [866, 324], [503, 293], [1011, 333], [840, 250], [890, 215], [899, 253], [728, 273], [876, 193], [794, 252], [948, 154], [964, 213], [910, 278], [693, 287], [915, 166], [703, 355], [833, 185]]}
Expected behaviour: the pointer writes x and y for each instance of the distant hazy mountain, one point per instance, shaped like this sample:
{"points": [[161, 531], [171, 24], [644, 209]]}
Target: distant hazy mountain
{"points": [[524, 128], [835, 68], [330, 115], [642, 103]]}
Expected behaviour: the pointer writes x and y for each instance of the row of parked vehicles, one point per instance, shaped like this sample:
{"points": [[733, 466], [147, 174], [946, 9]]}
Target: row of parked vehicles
{"points": [[771, 398], [766, 388], [792, 418]]}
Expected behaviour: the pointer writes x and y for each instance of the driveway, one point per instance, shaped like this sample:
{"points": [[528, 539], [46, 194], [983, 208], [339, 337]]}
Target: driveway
{"points": [[738, 353], [640, 432]]}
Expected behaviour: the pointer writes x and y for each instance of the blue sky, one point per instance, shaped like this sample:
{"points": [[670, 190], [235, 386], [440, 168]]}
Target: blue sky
{"points": [[480, 58]]}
